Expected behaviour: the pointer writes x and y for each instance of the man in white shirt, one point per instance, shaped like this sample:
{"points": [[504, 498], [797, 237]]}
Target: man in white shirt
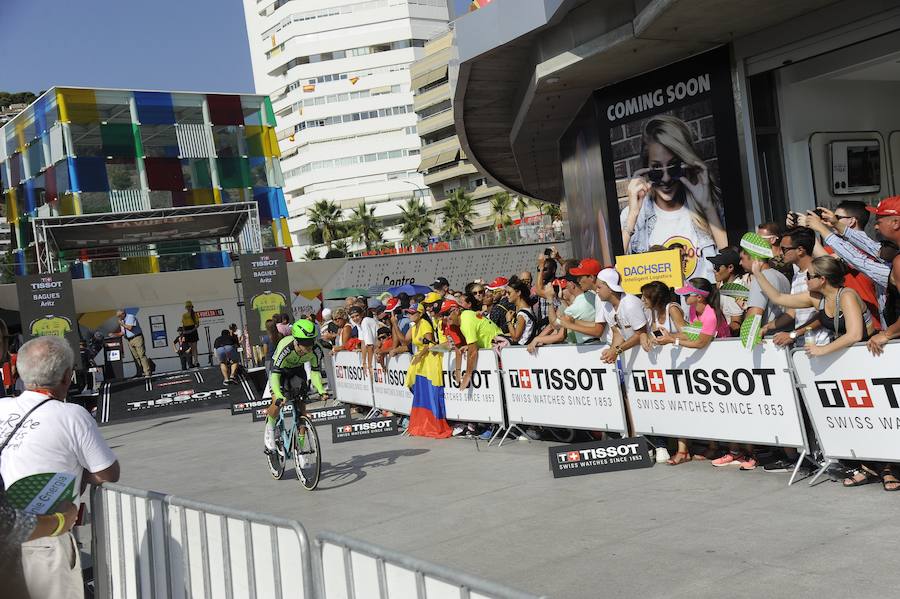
{"points": [[56, 438], [626, 318]]}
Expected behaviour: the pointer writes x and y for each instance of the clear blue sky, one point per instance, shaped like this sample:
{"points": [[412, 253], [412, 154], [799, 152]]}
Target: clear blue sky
{"points": [[189, 45]]}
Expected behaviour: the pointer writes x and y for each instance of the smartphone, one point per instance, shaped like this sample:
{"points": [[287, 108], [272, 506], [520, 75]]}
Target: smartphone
{"points": [[657, 333], [819, 212], [548, 251]]}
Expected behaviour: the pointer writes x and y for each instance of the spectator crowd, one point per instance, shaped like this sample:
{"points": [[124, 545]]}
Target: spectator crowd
{"points": [[817, 281]]}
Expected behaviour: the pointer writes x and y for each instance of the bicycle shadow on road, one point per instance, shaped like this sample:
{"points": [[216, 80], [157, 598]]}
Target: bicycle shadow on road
{"points": [[335, 476]]}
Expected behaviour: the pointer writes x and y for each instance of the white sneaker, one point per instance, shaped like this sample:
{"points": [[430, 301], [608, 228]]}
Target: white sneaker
{"points": [[662, 455], [269, 437], [458, 430], [302, 460]]}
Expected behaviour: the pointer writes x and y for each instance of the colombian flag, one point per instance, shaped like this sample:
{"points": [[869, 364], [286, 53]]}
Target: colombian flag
{"points": [[425, 378]]}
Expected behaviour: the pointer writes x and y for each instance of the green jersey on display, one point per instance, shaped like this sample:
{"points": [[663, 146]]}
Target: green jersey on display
{"points": [[267, 304], [57, 326]]}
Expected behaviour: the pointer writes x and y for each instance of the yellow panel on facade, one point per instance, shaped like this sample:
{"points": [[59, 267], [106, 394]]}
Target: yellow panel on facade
{"points": [[201, 197], [69, 204], [12, 207], [286, 233], [77, 105], [217, 196], [271, 143], [139, 265]]}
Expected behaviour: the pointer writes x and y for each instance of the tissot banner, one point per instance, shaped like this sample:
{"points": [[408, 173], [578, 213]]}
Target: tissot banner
{"points": [[564, 386], [482, 401], [671, 160], [47, 307], [853, 400], [351, 382], [352, 430], [266, 290], [389, 385], [723, 392]]}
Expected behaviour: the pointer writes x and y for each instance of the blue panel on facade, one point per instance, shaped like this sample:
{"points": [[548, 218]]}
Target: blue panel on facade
{"points": [[88, 174], [40, 115], [271, 203], [30, 197], [154, 108]]}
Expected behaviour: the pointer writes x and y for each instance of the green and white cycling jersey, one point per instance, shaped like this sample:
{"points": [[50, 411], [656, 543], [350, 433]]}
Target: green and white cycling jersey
{"points": [[287, 363]]}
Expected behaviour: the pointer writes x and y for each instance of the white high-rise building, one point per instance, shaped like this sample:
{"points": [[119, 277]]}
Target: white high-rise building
{"points": [[337, 72]]}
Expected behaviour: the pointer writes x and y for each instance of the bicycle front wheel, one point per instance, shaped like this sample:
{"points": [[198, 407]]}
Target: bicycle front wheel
{"points": [[307, 455]]}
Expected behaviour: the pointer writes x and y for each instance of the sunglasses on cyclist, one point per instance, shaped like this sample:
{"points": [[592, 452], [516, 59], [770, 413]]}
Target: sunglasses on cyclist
{"points": [[676, 171]]}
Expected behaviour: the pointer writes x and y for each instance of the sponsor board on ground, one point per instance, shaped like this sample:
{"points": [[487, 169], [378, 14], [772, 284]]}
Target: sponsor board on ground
{"points": [[855, 411], [352, 430], [563, 386], [328, 415], [723, 392], [243, 406], [599, 456], [352, 383], [482, 401]]}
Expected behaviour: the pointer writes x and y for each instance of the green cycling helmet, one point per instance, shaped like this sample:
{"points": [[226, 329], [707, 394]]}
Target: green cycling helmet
{"points": [[303, 330]]}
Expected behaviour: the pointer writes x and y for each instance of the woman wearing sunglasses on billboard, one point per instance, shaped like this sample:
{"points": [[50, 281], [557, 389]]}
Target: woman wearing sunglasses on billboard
{"points": [[674, 197]]}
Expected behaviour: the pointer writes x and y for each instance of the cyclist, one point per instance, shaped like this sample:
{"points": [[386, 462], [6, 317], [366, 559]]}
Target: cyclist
{"points": [[291, 355]]}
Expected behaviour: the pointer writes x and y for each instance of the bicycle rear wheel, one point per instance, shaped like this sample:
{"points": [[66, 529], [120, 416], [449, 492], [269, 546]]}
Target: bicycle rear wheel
{"points": [[307, 459]]}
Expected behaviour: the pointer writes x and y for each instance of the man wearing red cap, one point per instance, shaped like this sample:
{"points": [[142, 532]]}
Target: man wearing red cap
{"points": [[863, 253]]}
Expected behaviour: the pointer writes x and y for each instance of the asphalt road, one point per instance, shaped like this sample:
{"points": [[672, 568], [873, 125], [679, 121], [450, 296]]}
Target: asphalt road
{"points": [[685, 531]]}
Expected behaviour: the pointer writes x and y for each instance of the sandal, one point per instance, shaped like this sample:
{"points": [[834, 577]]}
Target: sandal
{"points": [[680, 457], [885, 482], [856, 481]]}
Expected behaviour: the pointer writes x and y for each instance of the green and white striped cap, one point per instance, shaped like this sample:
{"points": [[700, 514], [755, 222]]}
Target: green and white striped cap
{"points": [[735, 290], [756, 246], [751, 332]]}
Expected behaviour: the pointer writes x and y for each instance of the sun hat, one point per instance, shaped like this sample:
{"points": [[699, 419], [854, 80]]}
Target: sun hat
{"points": [[757, 246]]}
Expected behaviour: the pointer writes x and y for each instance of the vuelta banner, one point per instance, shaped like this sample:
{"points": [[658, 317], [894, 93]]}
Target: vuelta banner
{"points": [[389, 385], [482, 401], [266, 289], [563, 386], [855, 410], [47, 307], [639, 269], [351, 382], [722, 392]]}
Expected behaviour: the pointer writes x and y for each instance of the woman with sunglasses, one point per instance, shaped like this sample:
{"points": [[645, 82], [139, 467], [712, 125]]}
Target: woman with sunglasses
{"points": [[702, 298], [841, 311], [522, 323], [673, 196]]}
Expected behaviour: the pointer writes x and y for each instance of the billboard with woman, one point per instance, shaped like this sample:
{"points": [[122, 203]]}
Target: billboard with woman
{"points": [[671, 160]]}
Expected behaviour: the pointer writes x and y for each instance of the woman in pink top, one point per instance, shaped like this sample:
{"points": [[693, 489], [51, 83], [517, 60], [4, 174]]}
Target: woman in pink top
{"points": [[702, 297]]}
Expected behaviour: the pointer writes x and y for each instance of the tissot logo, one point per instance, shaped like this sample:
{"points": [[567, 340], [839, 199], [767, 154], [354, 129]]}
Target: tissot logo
{"points": [[364, 429], [350, 373], [347, 429], [390, 377], [857, 393], [597, 453], [176, 398], [557, 379], [698, 381]]}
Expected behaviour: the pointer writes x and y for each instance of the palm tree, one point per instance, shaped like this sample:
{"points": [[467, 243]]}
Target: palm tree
{"points": [[311, 253], [342, 246], [324, 221], [500, 205], [415, 224], [521, 205], [365, 227], [553, 211], [458, 214]]}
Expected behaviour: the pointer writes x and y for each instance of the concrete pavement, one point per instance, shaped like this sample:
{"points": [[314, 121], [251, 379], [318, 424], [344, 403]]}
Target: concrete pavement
{"points": [[686, 531]]}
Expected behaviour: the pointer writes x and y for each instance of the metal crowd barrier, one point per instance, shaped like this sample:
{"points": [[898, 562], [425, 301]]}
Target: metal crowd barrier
{"points": [[353, 569], [148, 545]]}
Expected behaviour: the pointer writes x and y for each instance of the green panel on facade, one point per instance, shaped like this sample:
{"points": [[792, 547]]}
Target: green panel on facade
{"points": [[233, 172], [118, 139]]}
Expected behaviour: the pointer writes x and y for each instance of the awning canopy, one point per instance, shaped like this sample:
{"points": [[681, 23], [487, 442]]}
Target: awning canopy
{"points": [[89, 231], [430, 77]]}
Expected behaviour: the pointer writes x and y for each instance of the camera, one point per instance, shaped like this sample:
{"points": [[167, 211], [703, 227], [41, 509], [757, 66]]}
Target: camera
{"points": [[548, 251]]}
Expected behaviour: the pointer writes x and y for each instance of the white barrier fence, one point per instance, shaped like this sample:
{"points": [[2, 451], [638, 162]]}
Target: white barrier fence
{"points": [[351, 381], [853, 400], [482, 401], [723, 392], [563, 386], [354, 569], [148, 545]]}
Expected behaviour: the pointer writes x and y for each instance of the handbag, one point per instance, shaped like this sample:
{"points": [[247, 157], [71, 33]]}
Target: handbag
{"points": [[14, 431]]}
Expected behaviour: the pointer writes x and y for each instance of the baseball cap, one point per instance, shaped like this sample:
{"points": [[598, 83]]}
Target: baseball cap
{"points": [[726, 256], [432, 298], [498, 283], [189, 304], [588, 266], [886, 207], [448, 305], [440, 282], [326, 313], [414, 308], [611, 278], [391, 304]]}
